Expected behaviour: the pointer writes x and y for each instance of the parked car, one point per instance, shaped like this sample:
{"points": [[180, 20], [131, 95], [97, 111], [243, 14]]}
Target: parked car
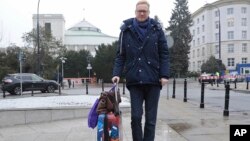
{"points": [[234, 77], [30, 82], [207, 78]]}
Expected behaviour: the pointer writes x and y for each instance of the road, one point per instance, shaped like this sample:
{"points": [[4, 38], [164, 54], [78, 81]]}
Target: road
{"points": [[239, 101]]}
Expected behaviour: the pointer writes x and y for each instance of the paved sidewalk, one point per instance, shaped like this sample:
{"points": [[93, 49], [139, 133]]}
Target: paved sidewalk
{"points": [[77, 130], [177, 121]]}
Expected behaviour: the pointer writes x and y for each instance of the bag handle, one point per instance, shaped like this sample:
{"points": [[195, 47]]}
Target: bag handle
{"points": [[115, 89]]}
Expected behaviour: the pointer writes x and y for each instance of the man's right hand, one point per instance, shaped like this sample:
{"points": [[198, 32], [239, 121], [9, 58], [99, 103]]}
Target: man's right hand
{"points": [[116, 79]]}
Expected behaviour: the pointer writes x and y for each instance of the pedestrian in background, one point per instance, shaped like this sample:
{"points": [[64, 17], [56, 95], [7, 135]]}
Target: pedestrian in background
{"points": [[144, 58], [69, 82]]}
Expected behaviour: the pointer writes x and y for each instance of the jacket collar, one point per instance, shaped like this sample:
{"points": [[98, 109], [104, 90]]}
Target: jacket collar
{"points": [[129, 23]]}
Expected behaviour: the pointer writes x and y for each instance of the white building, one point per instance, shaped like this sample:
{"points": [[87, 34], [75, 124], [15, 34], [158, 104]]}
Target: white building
{"points": [[85, 36], [53, 23], [81, 36], [234, 18]]}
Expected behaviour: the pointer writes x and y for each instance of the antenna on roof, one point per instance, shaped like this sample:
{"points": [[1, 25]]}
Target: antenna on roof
{"points": [[83, 14]]}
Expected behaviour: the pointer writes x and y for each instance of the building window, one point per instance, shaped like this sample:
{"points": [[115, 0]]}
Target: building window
{"points": [[198, 30], [198, 40], [198, 52], [194, 43], [198, 20], [203, 51], [244, 22], [203, 17], [216, 49], [230, 22], [217, 25], [244, 47], [230, 35], [244, 34], [230, 11], [216, 36], [193, 65], [230, 48], [243, 10], [193, 32], [203, 28], [48, 28], [230, 61], [216, 13], [199, 65], [203, 39], [244, 60], [193, 53]]}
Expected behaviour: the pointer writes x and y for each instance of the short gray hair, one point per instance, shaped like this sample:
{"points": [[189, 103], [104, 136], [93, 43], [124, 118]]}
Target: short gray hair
{"points": [[143, 2]]}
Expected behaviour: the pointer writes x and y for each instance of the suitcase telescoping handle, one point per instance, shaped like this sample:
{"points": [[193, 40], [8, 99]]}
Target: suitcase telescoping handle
{"points": [[116, 93]]}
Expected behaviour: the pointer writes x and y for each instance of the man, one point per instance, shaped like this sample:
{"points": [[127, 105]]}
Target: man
{"points": [[143, 56]]}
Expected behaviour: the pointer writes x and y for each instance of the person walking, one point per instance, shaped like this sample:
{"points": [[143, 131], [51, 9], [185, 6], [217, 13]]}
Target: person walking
{"points": [[143, 57]]}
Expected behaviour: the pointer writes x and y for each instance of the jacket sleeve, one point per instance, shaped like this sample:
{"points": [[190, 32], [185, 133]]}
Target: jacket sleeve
{"points": [[120, 57], [163, 56]]}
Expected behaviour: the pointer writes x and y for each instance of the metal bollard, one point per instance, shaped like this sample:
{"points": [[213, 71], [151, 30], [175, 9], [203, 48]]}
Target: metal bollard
{"points": [[202, 95], [4, 94], [123, 88], [185, 90], [247, 84], [102, 85], [235, 84], [173, 96], [73, 84], [87, 91], [32, 92], [59, 87], [226, 112]]}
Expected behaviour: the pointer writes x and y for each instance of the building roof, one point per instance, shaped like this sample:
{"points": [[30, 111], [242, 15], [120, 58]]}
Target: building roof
{"points": [[48, 16], [86, 33]]}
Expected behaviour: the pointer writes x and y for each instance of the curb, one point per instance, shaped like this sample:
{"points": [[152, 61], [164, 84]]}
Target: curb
{"points": [[11, 117]]}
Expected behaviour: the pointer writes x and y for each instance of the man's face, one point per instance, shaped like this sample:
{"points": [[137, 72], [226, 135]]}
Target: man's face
{"points": [[142, 12]]}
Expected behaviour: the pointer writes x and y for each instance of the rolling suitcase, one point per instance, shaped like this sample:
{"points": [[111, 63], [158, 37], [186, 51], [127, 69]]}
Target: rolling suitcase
{"points": [[109, 125]]}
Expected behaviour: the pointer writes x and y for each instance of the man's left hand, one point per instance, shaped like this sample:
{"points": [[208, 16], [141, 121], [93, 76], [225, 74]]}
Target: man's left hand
{"points": [[163, 81]]}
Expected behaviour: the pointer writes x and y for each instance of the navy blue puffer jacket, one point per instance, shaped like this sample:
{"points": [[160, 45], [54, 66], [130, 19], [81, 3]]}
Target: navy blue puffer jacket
{"points": [[143, 62]]}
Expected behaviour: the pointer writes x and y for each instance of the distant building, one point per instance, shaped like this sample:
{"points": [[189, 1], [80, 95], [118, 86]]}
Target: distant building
{"points": [[81, 36], [85, 36], [53, 23], [234, 17]]}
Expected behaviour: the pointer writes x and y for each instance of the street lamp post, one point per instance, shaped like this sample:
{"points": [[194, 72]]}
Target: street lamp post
{"points": [[219, 59], [219, 34], [38, 41], [63, 61], [89, 67], [219, 28]]}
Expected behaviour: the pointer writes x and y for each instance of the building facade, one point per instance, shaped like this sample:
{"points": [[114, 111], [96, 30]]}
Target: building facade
{"points": [[82, 36], [53, 23], [221, 29]]}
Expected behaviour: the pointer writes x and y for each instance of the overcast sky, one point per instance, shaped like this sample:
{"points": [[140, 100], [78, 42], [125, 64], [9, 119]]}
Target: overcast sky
{"points": [[16, 15]]}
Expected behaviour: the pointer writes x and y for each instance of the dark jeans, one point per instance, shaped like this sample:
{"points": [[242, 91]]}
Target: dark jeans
{"points": [[138, 94]]}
